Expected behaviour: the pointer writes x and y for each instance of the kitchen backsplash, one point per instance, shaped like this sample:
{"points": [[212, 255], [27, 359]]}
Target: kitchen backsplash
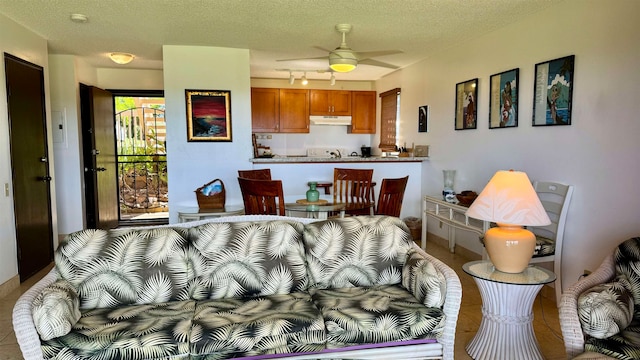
{"points": [[319, 137]]}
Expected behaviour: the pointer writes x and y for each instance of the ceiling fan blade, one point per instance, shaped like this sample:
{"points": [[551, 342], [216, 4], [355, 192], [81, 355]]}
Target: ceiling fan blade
{"points": [[323, 49], [308, 58], [377, 63], [370, 54]]}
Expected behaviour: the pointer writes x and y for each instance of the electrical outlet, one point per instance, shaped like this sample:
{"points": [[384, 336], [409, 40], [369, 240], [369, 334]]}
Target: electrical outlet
{"points": [[268, 136]]}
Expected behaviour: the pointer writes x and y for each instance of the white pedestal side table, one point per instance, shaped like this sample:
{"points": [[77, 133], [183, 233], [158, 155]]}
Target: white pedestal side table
{"points": [[506, 330]]}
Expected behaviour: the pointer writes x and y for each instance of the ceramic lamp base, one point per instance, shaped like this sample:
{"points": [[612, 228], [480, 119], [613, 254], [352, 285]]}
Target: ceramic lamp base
{"points": [[510, 248]]}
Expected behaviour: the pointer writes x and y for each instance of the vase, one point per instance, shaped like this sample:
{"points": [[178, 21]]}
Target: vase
{"points": [[313, 195], [448, 194]]}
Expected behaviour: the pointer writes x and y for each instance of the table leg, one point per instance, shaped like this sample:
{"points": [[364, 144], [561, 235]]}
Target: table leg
{"points": [[506, 330]]}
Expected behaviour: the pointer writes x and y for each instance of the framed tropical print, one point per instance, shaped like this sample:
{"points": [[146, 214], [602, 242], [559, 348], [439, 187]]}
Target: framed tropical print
{"points": [[503, 101], [466, 110], [208, 115], [552, 92]]}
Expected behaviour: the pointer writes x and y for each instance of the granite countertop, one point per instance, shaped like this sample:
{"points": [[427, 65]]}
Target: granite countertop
{"points": [[346, 159]]}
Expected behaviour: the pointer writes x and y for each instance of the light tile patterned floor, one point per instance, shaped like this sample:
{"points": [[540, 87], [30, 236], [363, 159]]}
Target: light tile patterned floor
{"points": [[546, 325]]}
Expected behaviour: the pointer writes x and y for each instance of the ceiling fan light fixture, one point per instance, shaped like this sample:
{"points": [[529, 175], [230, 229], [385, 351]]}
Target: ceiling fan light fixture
{"points": [[342, 60], [121, 58]]}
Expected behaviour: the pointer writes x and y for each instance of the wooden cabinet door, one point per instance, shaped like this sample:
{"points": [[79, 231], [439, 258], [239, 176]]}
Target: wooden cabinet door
{"points": [[294, 111], [363, 113], [329, 102], [340, 101], [265, 110]]}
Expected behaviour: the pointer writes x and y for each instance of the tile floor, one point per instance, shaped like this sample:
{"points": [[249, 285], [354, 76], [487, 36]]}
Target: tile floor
{"points": [[546, 325]]}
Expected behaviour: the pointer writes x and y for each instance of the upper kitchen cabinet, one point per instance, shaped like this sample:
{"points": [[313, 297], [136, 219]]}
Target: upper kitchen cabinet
{"points": [[363, 112], [279, 110], [330, 102]]}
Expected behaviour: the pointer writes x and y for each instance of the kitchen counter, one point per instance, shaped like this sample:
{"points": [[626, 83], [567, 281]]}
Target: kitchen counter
{"points": [[345, 159]]}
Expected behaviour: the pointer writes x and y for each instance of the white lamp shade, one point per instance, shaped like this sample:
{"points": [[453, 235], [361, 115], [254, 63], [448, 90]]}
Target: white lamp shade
{"points": [[509, 198]]}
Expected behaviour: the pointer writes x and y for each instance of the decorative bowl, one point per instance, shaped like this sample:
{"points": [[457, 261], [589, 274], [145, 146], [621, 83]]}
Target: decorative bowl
{"points": [[466, 197]]}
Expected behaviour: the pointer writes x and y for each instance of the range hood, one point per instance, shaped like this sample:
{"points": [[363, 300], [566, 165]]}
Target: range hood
{"points": [[330, 120]]}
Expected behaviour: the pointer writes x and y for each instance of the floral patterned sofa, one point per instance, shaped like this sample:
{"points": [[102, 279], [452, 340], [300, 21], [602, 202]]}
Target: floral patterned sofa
{"points": [[600, 314], [242, 287]]}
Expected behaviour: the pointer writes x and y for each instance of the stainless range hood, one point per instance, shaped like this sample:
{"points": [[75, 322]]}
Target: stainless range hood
{"points": [[330, 120]]}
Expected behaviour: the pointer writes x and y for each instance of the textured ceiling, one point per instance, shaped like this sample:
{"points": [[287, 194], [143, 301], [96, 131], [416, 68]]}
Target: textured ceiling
{"points": [[274, 29]]}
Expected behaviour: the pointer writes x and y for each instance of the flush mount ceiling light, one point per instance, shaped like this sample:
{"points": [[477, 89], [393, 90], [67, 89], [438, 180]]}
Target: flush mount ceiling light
{"points": [[121, 58]]}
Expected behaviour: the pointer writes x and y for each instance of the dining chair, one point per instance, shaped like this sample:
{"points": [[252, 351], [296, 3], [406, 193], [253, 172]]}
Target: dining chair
{"points": [[391, 196], [259, 174], [353, 187], [262, 197], [555, 198]]}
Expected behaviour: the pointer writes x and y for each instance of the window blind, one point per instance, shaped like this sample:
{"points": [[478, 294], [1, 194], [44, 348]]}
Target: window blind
{"points": [[388, 119]]}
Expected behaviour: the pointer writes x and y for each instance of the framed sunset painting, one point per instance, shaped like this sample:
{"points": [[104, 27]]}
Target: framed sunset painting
{"points": [[208, 115]]}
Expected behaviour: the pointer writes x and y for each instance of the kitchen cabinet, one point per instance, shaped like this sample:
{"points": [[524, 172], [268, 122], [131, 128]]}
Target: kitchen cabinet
{"points": [[330, 102], [279, 110], [363, 112]]}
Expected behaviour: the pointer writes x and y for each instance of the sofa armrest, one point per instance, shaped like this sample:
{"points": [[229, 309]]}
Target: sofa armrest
{"points": [[568, 310], [23, 325], [452, 301]]}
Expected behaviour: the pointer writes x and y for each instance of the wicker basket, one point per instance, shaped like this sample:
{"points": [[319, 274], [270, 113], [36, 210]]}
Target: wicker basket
{"points": [[215, 201]]}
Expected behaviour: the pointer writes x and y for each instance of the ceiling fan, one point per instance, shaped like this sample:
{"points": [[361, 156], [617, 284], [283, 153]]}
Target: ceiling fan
{"points": [[344, 59]]}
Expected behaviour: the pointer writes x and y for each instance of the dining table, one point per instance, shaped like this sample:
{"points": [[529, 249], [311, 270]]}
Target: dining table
{"points": [[297, 205]]}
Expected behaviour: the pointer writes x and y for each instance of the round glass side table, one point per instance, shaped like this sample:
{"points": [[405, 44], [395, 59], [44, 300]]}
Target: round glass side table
{"points": [[506, 330]]}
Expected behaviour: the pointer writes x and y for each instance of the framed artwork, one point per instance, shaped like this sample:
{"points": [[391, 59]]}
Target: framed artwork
{"points": [[208, 115], [423, 118], [503, 101], [466, 111], [553, 91]]}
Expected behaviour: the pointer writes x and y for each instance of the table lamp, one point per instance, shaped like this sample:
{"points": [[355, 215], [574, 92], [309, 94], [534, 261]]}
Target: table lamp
{"points": [[510, 201]]}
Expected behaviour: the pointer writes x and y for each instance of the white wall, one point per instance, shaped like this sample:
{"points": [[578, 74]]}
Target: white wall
{"points": [[192, 164], [129, 79], [598, 153], [22, 43], [68, 149]]}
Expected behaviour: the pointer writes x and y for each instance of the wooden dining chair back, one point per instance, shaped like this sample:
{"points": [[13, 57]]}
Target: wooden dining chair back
{"points": [[391, 196], [262, 197], [353, 186], [259, 174]]}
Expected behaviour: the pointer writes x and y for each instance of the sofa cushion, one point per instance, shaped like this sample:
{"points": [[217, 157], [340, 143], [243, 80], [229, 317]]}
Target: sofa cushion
{"points": [[133, 332], [356, 251], [55, 310], [423, 280], [624, 345], [241, 259], [606, 309], [544, 246], [274, 324], [384, 313], [627, 260], [124, 266]]}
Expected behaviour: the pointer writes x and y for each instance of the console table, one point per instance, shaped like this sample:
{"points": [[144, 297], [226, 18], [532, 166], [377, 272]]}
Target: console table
{"points": [[452, 215], [193, 213]]}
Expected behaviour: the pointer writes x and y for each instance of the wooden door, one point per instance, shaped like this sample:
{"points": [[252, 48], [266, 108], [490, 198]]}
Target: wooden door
{"points": [[294, 111], [265, 110], [99, 152], [30, 165], [363, 113]]}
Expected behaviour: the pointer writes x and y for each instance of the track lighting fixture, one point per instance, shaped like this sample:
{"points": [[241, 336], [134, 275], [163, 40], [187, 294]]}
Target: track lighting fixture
{"points": [[292, 78], [332, 80], [304, 79]]}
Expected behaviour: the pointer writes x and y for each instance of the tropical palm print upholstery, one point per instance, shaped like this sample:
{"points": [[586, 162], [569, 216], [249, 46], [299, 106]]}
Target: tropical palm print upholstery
{"points": [[625, 344], [356, 251], [152, 331], [544, 246], [225, 290], [55, 310], [382, 313], [275, 324], [606, 309]]}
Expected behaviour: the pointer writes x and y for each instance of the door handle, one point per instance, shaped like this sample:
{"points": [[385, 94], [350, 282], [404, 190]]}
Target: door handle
{"points": [[95, 152], [44, 159], [101, 169], [44, 178]]}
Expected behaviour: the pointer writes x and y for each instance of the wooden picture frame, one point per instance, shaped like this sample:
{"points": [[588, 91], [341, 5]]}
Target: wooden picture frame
{"points": [[553, 92], [466, 105], [503, 101], [423, 118], [208, 115]]}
